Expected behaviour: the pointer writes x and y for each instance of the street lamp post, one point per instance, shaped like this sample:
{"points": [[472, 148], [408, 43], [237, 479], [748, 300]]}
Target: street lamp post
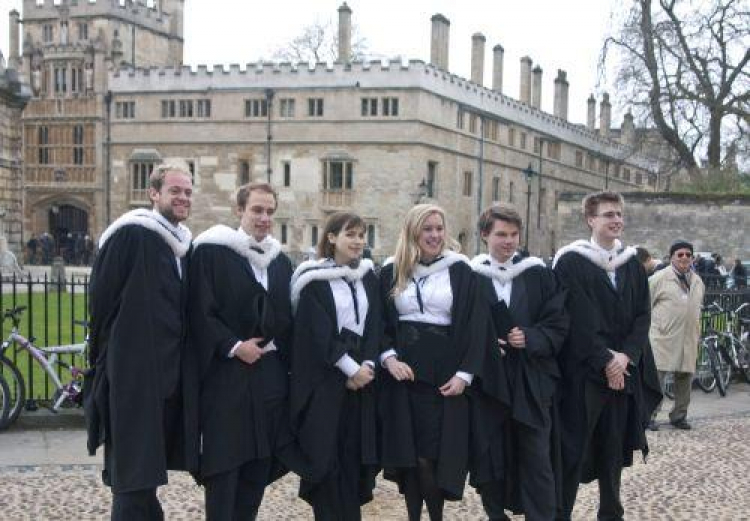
{"points": [[528, 172]]}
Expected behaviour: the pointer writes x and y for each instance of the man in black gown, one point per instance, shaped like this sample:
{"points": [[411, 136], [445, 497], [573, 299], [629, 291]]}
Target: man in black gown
{"points": [[138, 399], [610, 384], [240, 328], [523, 295]]}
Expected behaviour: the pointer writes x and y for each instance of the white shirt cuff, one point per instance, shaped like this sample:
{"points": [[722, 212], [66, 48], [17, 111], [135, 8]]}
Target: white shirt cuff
{"points": [[270, 346], [369, 363], [386, 355], [234, 349], [347, 365], [466, 377]]}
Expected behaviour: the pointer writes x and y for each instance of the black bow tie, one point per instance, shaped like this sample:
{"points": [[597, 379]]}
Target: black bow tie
{"points": [[257, 249]]}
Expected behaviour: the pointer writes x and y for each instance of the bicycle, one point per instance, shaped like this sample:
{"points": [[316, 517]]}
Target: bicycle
{"points": [[731, 348], [704, 375], [4, 401], [48, 359]]}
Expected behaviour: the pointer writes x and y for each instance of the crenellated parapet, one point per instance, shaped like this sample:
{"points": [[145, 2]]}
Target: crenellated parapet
{"points": [[130, 12], [415, 74]]}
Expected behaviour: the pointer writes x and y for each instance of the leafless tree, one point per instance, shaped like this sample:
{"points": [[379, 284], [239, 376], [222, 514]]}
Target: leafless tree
{"points": [[318, 42], [682, 65]]}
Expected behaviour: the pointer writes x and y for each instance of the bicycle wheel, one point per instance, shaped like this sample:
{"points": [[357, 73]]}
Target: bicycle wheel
{"points": [[704, 376], [13, 378], [726, 367], [4, 404], [669, 386], [716, 367], [743, 360]]}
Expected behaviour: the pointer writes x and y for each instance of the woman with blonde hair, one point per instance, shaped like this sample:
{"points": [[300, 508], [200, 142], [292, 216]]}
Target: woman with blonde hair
{"points": [[432, 348]]}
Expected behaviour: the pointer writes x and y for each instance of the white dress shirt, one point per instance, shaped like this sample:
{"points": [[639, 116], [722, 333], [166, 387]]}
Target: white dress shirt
{"points": [[346, 317], [607, 255], [502, 289]]}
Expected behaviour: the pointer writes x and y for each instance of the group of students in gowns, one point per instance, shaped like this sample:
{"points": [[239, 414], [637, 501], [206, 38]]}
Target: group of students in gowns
{"points": [[436, 369]]}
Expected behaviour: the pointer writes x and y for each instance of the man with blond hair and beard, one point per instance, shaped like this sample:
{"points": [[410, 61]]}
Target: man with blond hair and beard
{"points": [[138, 399]]}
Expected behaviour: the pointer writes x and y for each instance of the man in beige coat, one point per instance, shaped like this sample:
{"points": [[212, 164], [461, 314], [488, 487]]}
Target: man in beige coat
{"points": [[676, 299]]}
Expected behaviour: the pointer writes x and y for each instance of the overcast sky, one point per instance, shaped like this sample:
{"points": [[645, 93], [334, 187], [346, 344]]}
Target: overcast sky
{"points": [[556, 34]]}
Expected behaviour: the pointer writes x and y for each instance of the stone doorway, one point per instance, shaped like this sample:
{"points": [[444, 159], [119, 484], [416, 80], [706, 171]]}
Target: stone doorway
{"points": [[67, 223]]}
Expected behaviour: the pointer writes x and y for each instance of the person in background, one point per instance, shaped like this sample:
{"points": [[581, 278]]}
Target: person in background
{"points": [[676, 300]]}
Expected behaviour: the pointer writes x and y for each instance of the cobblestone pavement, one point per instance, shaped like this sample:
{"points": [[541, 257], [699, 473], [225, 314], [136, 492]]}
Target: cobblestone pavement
{"points": [[698, 474]]}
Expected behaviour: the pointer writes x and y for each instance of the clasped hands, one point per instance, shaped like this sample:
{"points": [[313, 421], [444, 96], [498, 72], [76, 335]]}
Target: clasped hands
{"points": [[516, 339], [616, 370], [401, 371]]}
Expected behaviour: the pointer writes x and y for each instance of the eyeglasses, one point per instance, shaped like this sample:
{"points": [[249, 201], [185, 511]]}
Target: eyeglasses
{"points": [[610, 215], [682, 254]]}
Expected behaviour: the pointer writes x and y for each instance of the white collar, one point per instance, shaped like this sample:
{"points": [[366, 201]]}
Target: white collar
{"points": [[325, 269], [242, 243], [608, 260], [486, 265], [177, 237]]}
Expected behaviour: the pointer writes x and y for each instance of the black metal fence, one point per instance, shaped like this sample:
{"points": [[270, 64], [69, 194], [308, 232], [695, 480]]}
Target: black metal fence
{"points": [[52, 308]]}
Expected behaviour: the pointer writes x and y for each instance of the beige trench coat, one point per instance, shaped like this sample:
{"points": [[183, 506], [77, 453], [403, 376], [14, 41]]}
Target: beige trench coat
{"points": [[675, 321]]}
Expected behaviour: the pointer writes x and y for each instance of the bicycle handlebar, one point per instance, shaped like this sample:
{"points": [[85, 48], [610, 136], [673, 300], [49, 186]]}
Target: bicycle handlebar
{"points": [[13, 313]]}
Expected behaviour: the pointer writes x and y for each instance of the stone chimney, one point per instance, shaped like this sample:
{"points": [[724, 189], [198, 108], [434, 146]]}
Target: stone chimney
{"points": [[536, 89], [627, 132], [439, 42], [13, 58], [497, 68], [525, 95], [560, 108], [477, 58], [591, 113], [605, 116], [345, 33]]}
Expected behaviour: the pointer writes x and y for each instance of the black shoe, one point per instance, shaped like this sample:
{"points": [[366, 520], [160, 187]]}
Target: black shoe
{"points": [[682, 425], [653, 426]]}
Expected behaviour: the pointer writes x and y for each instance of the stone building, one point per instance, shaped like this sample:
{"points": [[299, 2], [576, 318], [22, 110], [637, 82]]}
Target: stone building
{"points": [[373, 137], [13, 97], [69, 49]]}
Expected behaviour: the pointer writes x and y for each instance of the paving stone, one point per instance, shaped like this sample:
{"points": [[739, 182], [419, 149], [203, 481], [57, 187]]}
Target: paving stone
{"points": [[689, 475]]}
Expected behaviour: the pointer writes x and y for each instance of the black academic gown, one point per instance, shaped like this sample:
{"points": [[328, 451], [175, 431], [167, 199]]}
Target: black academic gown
{"points": [[604, 317], [318, 389], [137, 350], [467, 330], [537, 306], [223, 310]]}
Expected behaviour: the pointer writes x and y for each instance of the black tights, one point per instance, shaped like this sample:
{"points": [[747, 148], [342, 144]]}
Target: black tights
{"points": [[420, 486]]}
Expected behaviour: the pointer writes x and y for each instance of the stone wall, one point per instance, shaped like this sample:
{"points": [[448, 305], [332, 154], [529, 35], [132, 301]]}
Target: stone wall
{"points": [[655, 220]]}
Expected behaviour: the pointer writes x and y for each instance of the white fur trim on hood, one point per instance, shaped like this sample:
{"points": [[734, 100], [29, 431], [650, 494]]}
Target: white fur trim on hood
{"points": [[241, 243], [177, 237], [324, 269], [597, 255], [482, 264]]}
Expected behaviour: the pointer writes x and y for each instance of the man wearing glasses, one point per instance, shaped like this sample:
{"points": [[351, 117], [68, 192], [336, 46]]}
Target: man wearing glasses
{"points": [[676, 298], [604, 405]]}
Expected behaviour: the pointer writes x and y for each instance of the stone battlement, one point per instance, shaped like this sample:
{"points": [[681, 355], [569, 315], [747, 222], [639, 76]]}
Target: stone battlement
{"points": [[414, 74], [131, 12]]}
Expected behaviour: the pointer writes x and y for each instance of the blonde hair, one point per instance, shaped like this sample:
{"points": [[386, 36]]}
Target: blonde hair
{"points": [[408, 253]]}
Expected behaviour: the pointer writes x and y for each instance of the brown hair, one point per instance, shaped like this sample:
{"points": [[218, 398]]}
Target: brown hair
{"points": [[498, 213], [335, 224], [592, 201], [243, 193]]}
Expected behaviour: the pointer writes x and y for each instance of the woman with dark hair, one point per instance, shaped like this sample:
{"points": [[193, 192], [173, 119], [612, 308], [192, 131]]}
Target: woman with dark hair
{"points": [[432, 348], [336, 341]]}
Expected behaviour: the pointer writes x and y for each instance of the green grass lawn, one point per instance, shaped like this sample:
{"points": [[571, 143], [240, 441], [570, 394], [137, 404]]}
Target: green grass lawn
{"points": [[52, 324]]}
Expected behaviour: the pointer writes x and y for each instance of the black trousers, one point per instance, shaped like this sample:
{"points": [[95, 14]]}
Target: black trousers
{"points": [[531, 462], [236, 495], [606, 419], [139, 505]]}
